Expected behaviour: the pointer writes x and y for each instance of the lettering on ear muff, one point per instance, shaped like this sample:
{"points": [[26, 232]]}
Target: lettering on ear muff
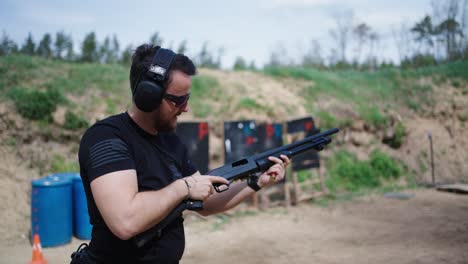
{"points": [[149, 92]]}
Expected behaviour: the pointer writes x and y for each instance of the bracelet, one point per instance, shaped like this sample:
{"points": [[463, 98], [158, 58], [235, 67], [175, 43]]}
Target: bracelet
{"points": [[188, 187]]}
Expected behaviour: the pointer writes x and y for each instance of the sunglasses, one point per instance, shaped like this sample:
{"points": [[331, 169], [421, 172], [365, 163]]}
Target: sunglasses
{"points": [[179, 101]]}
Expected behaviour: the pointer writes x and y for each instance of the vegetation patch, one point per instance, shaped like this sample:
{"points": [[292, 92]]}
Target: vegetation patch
{"points": [[204, 89], [73, 121], [59, 164], [348, 174], [34, 104]]}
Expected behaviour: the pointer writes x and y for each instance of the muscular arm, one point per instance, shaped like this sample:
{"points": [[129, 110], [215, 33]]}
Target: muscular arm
{"points": [[128, 212], [220, 202], [238, 192]]}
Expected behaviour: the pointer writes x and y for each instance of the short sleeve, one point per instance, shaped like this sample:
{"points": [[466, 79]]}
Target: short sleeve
{"points": [[103, 150]]}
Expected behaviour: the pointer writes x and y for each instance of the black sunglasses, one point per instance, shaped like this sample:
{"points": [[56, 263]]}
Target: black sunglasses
{"points": [[179, 101]]}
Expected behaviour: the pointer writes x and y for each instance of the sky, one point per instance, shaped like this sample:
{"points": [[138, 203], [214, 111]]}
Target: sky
{"points": [[252, 29]]}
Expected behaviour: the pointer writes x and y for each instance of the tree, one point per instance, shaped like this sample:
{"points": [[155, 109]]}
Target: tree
{"points": [[313, 57], [126, 58], [70, 54], [29, 47], [424, 32], [252, 66], [361, 33], [279, 56], [450, 28], [182, 49], [403, 42], [60, 44], [104, 50], [44, 49], [205, 58], [114, 55], [156, 40], [89, 48], [239, 64], [7, 46], [344, 24], [371, 61], [449, 18]]}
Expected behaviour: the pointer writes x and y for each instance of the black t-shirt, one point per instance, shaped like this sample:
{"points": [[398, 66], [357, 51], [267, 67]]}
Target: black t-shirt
{"points": [[118, 143]]}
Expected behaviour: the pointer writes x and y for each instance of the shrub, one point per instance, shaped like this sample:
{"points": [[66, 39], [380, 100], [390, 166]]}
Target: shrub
{"points": [[397, 140], [373, 116], [384, 166], [34, 104], [350, 174], [72, 121], [59, 164]]}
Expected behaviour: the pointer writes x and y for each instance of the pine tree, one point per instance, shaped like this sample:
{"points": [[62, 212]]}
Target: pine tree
{"points": [[240, 64], [44, 49], [114, 54], [103, 53], [156, 40], [126, 58], [60, 44], [29, 47], [89, 51], [182, 49], [70, 54], [7, 46]]}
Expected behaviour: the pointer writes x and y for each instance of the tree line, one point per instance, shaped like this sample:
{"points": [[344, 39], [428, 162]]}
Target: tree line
{"points": [[436, 38], [61, 47]]}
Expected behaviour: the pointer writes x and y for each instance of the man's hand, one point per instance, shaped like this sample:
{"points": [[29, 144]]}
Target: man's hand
{"points": [[201, 186], [275, 173]]}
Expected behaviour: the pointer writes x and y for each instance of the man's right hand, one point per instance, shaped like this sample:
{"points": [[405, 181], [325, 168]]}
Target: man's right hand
{"points": [[201, 186]]}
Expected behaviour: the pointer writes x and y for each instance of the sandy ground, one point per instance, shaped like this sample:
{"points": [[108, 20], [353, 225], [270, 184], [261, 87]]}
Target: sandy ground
{"points": [[429, 227]]}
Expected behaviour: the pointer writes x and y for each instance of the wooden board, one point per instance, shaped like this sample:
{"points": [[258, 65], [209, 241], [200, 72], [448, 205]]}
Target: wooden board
{"points": [[456, 188]]}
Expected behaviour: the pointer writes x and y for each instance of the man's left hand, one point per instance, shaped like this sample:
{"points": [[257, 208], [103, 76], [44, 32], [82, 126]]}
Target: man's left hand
{"points": [[275, 173]]}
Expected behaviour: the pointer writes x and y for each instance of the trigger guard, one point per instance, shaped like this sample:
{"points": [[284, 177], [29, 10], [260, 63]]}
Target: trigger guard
{"points": [[219, 190]]}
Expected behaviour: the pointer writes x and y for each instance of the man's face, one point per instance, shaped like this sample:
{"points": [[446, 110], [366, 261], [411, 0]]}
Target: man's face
{"points": [[166, 115]]}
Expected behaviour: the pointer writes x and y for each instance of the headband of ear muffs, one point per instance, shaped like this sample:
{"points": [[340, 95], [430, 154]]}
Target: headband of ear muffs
{"points": [[149, 92]]}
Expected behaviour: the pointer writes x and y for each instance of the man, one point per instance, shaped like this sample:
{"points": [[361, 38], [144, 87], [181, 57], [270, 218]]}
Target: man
{"points": [[136, 171]]}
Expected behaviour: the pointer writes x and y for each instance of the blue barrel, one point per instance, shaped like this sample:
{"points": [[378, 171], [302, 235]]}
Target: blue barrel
{"points": [[81, 225], [51, 210]]}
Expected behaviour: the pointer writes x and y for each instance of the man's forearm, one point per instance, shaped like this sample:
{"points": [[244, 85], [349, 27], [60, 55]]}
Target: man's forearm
{"points": [[221, 202], [155, 207]]}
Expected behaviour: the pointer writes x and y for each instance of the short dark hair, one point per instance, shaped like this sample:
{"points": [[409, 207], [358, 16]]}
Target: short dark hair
{"points": [[142, 58]]}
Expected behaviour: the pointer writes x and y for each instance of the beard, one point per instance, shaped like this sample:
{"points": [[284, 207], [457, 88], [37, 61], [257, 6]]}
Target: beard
{"points": [[164, 123]]}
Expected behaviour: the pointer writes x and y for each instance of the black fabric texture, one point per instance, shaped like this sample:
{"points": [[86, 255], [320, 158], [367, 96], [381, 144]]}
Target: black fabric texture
{"points": [[118, 143]]}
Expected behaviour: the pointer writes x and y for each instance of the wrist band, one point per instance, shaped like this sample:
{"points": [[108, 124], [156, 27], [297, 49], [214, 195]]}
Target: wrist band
{"points": [[188, 187], [252, 183]]}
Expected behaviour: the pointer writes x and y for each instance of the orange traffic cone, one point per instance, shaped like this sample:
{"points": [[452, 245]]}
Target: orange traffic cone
{"points": [[37, 257]]}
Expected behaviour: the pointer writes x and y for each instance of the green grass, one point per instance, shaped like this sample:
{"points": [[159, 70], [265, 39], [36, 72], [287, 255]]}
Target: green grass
{"points": [[348, 174], [35, 104], [40, 74], [374, 90], [59, 164], [204, 89], [74, 122]]}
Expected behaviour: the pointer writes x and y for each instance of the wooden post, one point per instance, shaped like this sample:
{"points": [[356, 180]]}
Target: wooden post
{"points": [[432, 158], [296, 188]]}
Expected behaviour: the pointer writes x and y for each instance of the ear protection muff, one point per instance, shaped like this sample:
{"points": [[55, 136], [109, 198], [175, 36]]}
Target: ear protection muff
{"points": [[149, 92]]}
